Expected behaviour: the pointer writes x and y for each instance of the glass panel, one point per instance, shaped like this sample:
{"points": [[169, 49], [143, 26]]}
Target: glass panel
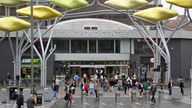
{"points": [[141, 47], [106, 46], [62, 46], [92, 46], [117, 46], [78, 46]]}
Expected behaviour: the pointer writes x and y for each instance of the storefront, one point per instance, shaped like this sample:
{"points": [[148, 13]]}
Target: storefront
{"points": [[105, 68], [26, 68]]}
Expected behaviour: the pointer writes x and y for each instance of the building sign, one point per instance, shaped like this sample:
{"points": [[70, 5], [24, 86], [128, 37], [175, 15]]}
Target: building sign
{"points": [[28, 61], [92, 33]]}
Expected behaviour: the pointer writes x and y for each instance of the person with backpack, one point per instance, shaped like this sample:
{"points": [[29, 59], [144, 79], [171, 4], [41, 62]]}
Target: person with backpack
{"points": [[20, 100], [14, 96]]}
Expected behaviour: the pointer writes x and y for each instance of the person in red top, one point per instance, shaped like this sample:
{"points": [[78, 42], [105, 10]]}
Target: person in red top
{"points": [[86, 88]]}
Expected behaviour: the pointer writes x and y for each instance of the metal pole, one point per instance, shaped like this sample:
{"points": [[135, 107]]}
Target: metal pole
{"points": [[32, 55]]}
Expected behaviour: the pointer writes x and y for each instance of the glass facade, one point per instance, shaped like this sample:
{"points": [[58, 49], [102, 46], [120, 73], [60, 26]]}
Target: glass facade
{"points": [[78, 46], [62, 45], [105, 46], [92, 46], [141, 47], [87, 46]]}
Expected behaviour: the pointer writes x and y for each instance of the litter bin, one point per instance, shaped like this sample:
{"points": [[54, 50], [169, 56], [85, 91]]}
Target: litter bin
{"points": [[176, 94], [39, 99], [117, 94], [12, 90]]}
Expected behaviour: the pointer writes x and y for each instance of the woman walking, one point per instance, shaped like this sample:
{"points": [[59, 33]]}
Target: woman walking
{"points": [[96, 88]]}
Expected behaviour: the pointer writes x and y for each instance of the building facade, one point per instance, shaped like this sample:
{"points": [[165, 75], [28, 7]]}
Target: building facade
{"points": [[103, 41]]}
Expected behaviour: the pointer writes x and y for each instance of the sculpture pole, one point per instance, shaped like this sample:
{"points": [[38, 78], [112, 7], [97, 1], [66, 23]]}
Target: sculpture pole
{"points": [[32, 53]]}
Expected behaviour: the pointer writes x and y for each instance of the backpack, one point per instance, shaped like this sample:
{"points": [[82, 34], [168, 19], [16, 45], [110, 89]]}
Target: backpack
{"points": [[66, 88]]}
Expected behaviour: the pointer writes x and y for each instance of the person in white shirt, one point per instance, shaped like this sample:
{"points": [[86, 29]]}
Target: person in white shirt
{"points": [[57, 83]]}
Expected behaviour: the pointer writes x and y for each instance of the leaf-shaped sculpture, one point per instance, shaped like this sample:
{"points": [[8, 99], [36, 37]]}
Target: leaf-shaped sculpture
{"points": [[10, 24], [40, 12], [155, 14], [126, 4], [181, 3], [13, 2], [70, 4]]}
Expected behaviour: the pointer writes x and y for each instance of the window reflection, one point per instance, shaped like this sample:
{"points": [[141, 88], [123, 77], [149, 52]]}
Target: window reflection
{"points": [[62, 45], [78, 46], [106, 46], [141, 47], [92, 46]]}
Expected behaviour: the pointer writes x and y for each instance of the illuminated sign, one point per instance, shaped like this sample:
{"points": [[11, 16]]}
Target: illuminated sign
{"points": [[28, 61]]}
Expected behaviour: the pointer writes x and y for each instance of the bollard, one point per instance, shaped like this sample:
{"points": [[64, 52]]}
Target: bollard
{"points": [[117, 94], [82, 97], [47, 94], [160, 92], [176, 93], [100, 97], [147, 95], [133, 96], [26, 94]]}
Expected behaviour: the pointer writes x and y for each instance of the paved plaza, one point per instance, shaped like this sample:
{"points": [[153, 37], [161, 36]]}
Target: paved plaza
{"points": [[107, 100]]}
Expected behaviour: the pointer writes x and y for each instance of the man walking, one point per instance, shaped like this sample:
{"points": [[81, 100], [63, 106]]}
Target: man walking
{"points": [[31, 101], [153, 91], [181, 85], [170, 85], [20, 100]]}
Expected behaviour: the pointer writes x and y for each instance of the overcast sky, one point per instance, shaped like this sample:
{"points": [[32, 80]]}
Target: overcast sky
{"points": [[178, 9]]}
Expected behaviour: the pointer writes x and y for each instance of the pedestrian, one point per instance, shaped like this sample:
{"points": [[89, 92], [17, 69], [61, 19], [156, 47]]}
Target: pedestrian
{"points": [[20, 100], [85, 77], [91, 88], [181, 85], [57, 83], [140, 87], [73, 87], [68, 95], [82, 87], [54, 91], [31, 101], [145, 85], [153, 91], [170, 85], [14, 96], [125, 83], [86, 88], [34, 90], [96, 87], [17, 80], [76, 78]]}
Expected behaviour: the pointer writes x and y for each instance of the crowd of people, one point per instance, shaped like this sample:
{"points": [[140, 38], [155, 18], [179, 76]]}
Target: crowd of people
{"points": [[91, 86]]}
